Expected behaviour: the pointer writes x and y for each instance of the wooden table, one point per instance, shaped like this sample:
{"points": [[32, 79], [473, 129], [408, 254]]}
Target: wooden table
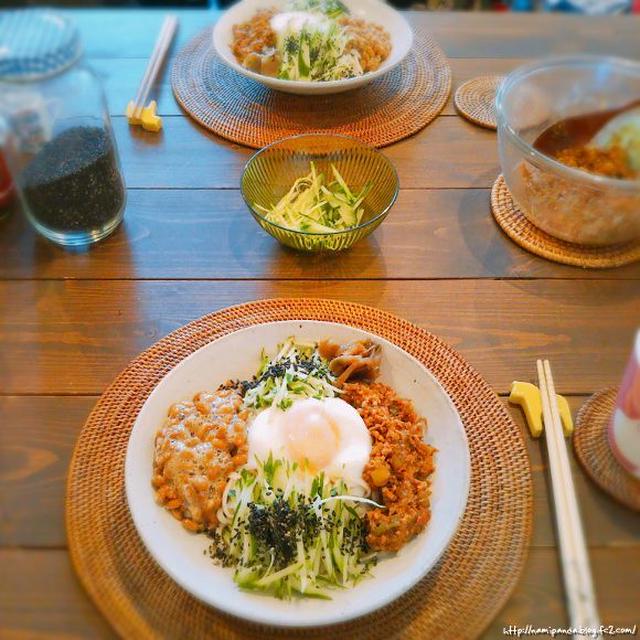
{"points": [[70, 321]]}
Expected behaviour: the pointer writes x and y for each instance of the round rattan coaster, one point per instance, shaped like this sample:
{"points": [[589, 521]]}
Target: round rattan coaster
{"points": [[456, 600], [523, 232], [475, 100], [594, 452], [388, 109]]}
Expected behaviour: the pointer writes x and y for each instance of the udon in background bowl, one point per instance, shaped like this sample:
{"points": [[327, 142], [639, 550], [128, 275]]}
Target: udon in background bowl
{"points": [[373, 11]]}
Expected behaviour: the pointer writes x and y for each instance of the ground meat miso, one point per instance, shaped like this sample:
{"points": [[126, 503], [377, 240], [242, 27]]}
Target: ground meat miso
{"points": [[400, 465], [570, 142], [74, 184]]}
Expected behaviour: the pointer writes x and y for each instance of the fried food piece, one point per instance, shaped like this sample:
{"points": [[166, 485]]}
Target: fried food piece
{"points": [[399, 467], [358, 359], [199, 445]]}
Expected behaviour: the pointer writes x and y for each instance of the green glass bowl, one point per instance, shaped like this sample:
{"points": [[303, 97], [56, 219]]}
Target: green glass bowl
{"points": [[271, 172]]}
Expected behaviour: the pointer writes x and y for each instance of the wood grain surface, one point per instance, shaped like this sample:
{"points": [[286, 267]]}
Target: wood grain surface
{"points": [[172, 234], [71, 337], [192, 161], [69, 321]]}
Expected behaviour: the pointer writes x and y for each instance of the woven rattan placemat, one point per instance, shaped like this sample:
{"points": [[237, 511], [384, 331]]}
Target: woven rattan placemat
{"points": [[594, 452], [393, 107], [523, 232], [456, 600], [475, 100]]}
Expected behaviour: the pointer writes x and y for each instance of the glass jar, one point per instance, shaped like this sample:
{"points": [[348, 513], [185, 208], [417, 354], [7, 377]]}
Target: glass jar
{"points": [[56, 135], [567, 202]]}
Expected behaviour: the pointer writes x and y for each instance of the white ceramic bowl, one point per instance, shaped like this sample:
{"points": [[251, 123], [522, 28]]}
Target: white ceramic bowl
{"points": [[180, 553], [371, 10]]}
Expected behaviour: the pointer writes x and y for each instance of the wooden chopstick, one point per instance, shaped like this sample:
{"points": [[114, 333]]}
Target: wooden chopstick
{"points": [[163, 42], [573, 550]]}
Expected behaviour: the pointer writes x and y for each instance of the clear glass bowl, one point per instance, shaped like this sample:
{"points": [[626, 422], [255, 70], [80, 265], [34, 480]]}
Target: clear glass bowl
{"points": [[567, 203], [270, 173]]}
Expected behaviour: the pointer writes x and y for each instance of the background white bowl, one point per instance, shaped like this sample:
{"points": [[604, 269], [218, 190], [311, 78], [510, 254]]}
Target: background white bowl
{"points": [[180, 553], [371, 10]]}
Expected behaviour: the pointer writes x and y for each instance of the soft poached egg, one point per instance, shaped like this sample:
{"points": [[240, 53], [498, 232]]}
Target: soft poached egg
{"points": [[320, 435], [296, 21]]}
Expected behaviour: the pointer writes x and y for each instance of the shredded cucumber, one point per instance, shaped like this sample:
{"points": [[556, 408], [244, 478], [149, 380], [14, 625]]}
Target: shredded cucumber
{"points": [[314, 206], [284, 534], [317, 52], [331, 8], [297, 371]]}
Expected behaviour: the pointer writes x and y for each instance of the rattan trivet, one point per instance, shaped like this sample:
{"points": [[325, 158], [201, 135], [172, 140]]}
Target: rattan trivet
{"points": [[393, 107], [594, 452], [456, 600], [523, 232], [475, 99]]}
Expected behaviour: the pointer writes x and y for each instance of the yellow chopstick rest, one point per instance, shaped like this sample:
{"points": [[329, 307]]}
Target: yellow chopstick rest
{"points": [[149, 118], [527, 396], [131, 109]]}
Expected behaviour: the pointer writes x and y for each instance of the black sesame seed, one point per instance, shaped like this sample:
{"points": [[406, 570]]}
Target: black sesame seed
{"points": [[74, 184]]}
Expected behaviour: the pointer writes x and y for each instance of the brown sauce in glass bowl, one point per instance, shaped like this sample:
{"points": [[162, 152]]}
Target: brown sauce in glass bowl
{"points": [[568, 141]]}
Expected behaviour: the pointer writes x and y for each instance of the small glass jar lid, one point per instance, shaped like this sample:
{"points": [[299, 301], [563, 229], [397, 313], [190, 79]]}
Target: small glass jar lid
{"points": [[36, 44]]}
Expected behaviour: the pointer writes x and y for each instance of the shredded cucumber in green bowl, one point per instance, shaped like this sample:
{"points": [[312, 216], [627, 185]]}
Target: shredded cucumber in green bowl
{"points": [[288, 534], [316, 205]]}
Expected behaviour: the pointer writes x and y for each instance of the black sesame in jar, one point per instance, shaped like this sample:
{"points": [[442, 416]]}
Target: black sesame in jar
{"points": [[73, 184]]}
